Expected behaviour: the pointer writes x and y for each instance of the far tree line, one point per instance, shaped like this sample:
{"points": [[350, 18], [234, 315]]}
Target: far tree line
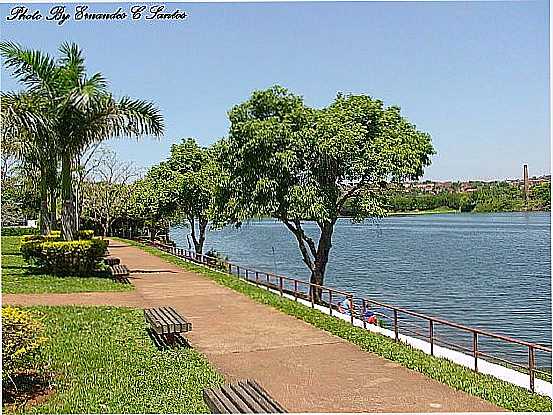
{"points": [[487, 197]]}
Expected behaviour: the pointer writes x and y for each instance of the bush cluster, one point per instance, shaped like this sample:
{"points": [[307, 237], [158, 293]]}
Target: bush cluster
{"points": [[21, 338], [80, 257], [16, 231]]}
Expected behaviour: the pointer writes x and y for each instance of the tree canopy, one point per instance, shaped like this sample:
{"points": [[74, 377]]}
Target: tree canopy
{"points": [[294, 163]]}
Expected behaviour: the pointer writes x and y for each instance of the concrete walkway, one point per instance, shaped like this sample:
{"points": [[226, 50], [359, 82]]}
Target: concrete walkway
{"points": [[304, 368]]}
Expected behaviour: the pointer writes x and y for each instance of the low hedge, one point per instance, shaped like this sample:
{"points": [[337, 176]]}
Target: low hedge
{"points": [[17, 231], [54, 236], [81, 257], [21, 338]]}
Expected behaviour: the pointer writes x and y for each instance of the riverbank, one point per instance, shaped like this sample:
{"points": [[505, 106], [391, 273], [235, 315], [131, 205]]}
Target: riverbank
{"points": [[423, 212]]}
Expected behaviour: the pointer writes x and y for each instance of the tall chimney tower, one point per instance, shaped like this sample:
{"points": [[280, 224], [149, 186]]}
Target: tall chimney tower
{"points": [[526, 182]]}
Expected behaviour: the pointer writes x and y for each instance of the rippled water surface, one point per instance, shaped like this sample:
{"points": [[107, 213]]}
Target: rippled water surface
{"points": [[491, 271]]}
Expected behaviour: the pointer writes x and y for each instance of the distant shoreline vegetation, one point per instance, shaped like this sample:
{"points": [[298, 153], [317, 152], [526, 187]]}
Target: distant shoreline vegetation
{"points": [[482, 198]]}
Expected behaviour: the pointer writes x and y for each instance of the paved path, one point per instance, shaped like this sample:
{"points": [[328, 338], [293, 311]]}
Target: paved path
{"points": [[304, 368]]}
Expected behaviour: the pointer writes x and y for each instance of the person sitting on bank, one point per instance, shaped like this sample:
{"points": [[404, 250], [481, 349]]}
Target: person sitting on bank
{"points": [[344, 306], [370, 317]]}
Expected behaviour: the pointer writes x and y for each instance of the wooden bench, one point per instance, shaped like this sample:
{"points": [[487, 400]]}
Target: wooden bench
{"points": [[166, 321], [120, 273], [111, 261], [244, 397]]}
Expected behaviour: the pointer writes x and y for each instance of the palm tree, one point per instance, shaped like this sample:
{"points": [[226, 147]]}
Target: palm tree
{"points": [[26, 131], [81, 110]]}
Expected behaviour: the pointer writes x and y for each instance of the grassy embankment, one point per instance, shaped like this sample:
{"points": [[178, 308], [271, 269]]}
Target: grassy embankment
{"points": [[101, 360], [19, 277], [487, 387], [424, 212]]}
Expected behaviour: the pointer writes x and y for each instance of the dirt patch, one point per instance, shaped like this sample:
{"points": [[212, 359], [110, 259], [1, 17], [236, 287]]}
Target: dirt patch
{"points": [[26, 389]]}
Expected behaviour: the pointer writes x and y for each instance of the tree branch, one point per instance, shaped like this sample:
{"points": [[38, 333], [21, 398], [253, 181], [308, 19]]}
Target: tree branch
{"points": [[301, 243]]}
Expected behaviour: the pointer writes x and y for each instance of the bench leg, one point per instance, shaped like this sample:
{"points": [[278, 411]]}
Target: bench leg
{"points": [[171, 340]]}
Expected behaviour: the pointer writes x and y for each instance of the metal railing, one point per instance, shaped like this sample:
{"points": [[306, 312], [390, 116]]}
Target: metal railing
{"points": [[358, 306]]}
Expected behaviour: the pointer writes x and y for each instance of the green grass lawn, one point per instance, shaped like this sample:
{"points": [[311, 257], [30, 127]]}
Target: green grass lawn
{"points": [[19, 277], [487, 387], [105, 362]]}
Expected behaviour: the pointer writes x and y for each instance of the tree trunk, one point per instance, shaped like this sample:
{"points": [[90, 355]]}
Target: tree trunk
{"points": [[321, 259], [68, 223], [198, 241], [46, 217], [53, 210]]}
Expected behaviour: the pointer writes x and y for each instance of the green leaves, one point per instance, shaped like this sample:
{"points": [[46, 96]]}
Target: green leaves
{"points": [[286, 160]]}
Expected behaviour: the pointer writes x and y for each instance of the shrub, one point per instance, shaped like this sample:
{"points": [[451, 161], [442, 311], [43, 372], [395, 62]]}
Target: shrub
{"points": [[16, 231], [21, 338], [85, 234], [65, 257], [51, 237]]}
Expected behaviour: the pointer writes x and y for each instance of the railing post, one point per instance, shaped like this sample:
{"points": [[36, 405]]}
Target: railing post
{"points": [[531, 364], [280, 285], [267, 280], [230, 269], [296, 290], [247, 279], [475, 349], [311, 293], [363, 313], [431, 335], [257, 278], [396, 332], [351, 308], [330, 301], [238, 270]]}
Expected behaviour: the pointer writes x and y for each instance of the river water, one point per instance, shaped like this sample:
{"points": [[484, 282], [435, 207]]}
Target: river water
{"points": [[490, 271]]}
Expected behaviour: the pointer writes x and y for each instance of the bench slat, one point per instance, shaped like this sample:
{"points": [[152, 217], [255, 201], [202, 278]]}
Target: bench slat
{"points": [[252, 403], [214, 404], [119, 270], [186, 326], [166, 320], [156, 321], [170, 321], [152, 319], [242, 406], [241, 397], [259, 398], [276, 406], [165, 326], [227, 404], [111, 260]]}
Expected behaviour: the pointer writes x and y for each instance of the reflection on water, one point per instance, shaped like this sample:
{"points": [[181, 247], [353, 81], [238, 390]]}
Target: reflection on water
{"points": [[491, 271]]}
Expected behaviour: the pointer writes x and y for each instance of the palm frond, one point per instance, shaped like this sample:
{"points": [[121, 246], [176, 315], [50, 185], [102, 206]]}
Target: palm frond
{"points": [[138, 117], [24, 112], [72, 63], [32, 68]]}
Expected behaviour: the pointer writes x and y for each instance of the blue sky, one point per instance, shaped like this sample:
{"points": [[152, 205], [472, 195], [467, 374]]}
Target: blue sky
{"points": [[475, 75]]}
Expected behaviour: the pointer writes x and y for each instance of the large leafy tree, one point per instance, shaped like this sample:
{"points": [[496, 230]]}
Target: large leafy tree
{"points": [[196, 173], [151, 201], [80, 109], [294, 163], [181, 189]]}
